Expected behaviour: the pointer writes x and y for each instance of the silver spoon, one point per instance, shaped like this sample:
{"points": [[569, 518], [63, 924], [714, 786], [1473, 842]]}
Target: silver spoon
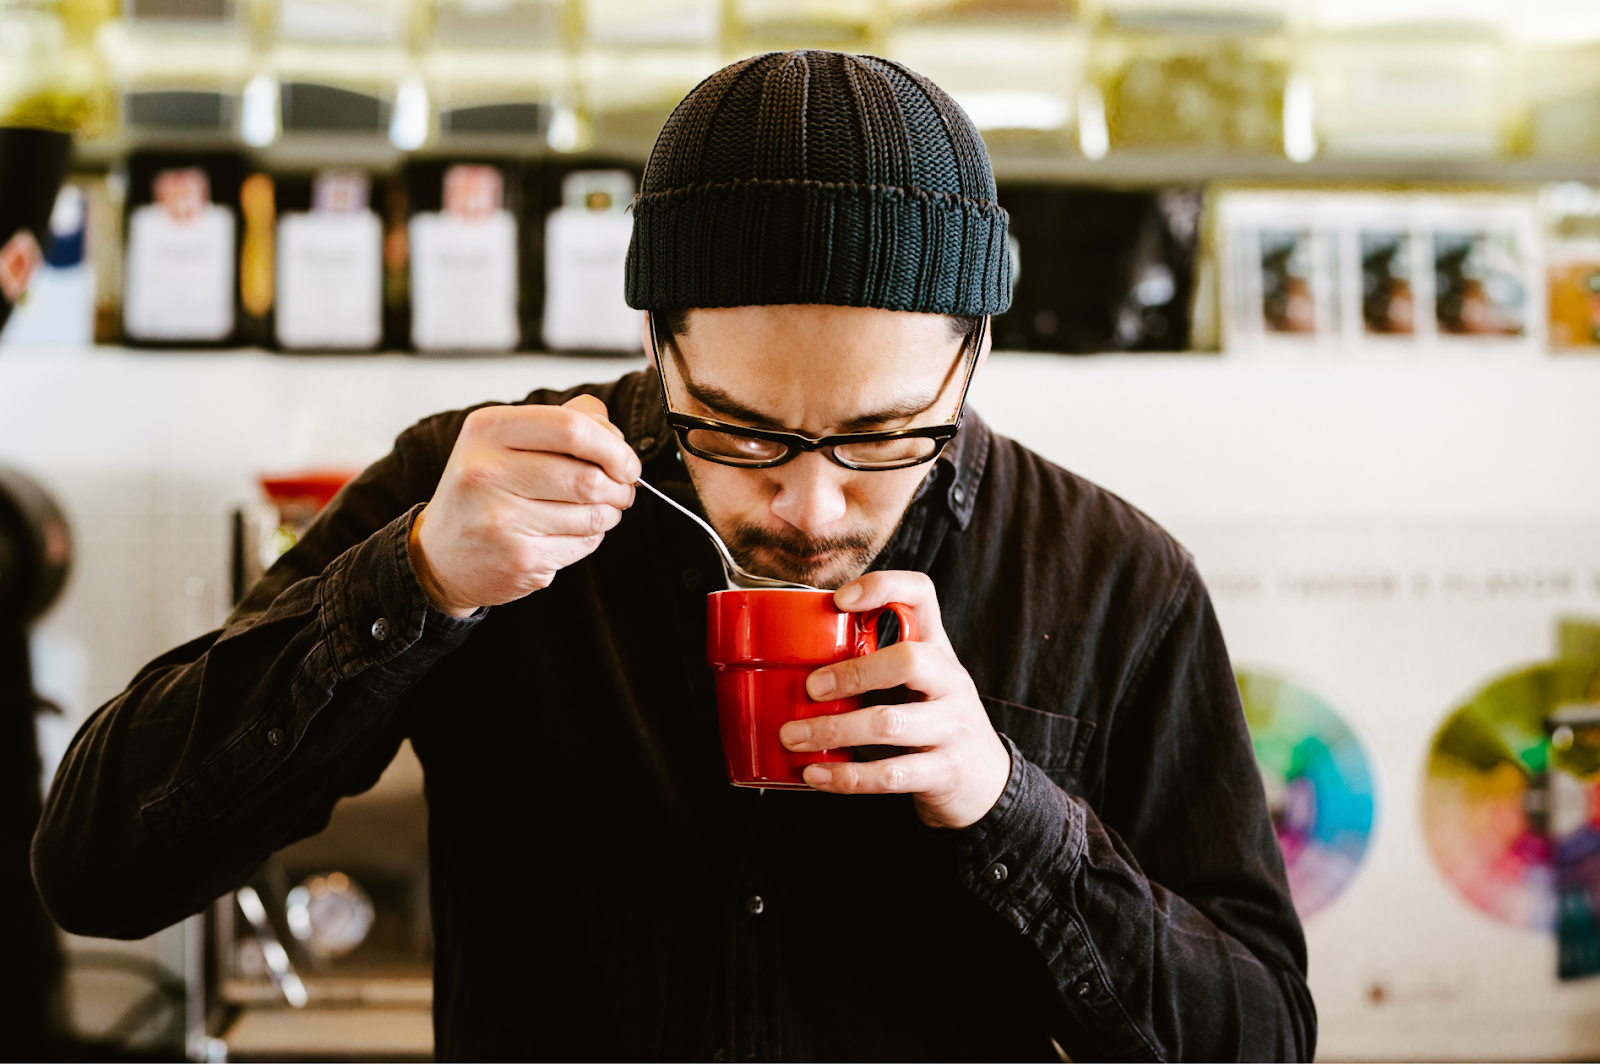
{"points": [[738, 576]]}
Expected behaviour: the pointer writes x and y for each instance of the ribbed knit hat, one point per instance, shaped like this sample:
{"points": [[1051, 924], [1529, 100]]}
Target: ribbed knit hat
{"points": [[819, 177]]}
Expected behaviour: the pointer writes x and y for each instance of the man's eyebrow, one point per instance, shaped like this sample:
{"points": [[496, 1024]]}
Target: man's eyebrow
{"points": [[721, 402]]}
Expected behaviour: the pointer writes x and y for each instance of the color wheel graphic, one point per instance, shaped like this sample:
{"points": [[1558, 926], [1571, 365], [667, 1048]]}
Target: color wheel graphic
{"points": [[1485, 776], [1319, 786]]}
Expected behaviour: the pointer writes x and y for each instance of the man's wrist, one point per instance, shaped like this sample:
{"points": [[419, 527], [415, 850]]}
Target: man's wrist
{"points": [[425, 576]]}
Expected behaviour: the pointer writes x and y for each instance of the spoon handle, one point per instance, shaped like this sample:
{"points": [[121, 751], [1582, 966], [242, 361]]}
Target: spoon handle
{"points": [[736, 574], [722, 548]]}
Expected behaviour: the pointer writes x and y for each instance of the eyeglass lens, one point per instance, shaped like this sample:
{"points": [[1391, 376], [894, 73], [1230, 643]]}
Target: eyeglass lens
{"points": [[871, 454]]}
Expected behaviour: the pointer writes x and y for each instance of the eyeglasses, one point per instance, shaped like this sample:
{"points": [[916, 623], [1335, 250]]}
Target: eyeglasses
{"points": [[735, 445]]}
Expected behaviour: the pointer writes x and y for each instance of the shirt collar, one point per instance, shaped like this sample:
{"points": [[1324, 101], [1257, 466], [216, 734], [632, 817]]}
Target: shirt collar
{"points": [[966, 456]]}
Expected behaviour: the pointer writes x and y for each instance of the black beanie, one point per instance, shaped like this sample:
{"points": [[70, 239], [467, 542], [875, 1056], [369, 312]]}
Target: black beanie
{"points": [[819, 177]]}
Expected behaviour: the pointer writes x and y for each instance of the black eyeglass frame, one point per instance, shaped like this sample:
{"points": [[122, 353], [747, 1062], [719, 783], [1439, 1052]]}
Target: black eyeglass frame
{"points": [[797, 443]]}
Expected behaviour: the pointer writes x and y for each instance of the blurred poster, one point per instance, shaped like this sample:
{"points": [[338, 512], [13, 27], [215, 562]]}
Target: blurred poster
{"points": [[586, 247], [180, 276], [464, 267], [330, 268]]}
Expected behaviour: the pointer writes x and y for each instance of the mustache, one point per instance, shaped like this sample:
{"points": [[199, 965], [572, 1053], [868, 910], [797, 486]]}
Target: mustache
{"points": [[747, 539]]}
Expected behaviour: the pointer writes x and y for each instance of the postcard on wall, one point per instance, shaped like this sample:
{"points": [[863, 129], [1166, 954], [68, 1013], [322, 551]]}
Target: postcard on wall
{"points": [[1362, 274], [1280, 278]]}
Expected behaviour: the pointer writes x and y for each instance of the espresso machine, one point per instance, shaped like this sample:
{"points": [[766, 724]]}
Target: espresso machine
{"points": [[326, 953], [35, 555]]}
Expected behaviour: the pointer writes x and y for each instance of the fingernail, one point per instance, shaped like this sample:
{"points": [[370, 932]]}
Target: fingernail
{"points": [[846, 596], [821, 683], [816, 775], [794, 733]]}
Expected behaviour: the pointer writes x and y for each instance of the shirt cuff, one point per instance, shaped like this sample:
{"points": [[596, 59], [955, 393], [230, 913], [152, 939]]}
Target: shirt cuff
{"points": [[1013, 858], [373, 607]]}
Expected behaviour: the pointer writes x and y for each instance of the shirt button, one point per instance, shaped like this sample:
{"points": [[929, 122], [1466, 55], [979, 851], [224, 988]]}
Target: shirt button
{"points": [[275, 737], [380, 629], [1084, 988], [997, 873], [755, 905], [959, 494], [646, 443], [692, 578]]}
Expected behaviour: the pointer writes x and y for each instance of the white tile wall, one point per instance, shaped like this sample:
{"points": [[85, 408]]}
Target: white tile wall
{"points": [[1262, 469]]}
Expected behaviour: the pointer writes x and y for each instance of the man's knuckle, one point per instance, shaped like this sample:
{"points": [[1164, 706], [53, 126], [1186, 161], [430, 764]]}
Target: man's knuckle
{"points": [[529, 558], [591, 484], [892, 721], [498, 523], [577, 430], [479, 420], [478, 472], [895, 777]]}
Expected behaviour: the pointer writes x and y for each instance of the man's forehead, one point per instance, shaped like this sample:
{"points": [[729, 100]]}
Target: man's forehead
{"points": [[852, 384]]}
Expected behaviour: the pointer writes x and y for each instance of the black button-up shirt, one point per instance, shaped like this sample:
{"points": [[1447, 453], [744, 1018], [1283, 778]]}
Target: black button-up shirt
{"points": [[599, 891]]}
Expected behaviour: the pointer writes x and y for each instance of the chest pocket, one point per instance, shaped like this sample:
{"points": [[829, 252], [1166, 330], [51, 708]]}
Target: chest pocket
{"points": [[1053, 742]]}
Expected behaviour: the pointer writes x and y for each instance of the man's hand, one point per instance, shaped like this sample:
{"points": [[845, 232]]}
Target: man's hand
{"points": [[957, 766], [528, 491]]}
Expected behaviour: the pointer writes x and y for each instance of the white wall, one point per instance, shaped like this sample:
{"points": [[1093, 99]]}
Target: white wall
{"points": [[1292, 484]]}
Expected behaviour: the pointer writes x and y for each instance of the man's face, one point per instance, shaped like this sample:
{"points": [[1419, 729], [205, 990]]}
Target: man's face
{"points": [[816, 370]]}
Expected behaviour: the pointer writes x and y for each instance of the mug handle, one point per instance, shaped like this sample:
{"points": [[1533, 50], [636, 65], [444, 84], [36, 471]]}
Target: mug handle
{"points": [[867, 627]]}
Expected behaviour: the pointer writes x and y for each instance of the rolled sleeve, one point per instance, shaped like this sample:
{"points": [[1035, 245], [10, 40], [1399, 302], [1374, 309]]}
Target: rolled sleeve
{"points": [[1015, 855], [375, 612]]}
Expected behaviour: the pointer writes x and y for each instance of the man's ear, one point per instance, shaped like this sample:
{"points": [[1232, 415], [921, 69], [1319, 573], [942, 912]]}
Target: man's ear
{"points": [[646, 339]]}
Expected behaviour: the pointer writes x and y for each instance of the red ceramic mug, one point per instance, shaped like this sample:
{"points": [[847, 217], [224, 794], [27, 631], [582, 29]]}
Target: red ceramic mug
{"points": [[762, 644]]}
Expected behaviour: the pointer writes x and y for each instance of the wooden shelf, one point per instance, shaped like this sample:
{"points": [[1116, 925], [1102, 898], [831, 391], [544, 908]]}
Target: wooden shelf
{"points": [[628, 137]]}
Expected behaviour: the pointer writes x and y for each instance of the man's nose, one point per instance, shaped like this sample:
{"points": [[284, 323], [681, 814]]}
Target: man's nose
{"points": [[810, 493]]}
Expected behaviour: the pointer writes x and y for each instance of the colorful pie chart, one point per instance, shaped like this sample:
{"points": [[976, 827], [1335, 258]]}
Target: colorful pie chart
{"points": [[1319, 786], [1479, 791]]}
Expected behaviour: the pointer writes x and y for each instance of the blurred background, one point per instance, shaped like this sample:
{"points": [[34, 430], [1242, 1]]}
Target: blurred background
{"points": [[1316, 283]]}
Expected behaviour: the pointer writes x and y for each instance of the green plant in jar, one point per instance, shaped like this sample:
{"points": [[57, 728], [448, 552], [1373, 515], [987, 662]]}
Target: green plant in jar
{"points": [[1207, 83], [51, 75]]}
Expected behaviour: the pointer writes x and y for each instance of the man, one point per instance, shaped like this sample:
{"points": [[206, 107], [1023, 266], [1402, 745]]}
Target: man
{"points": [[1054, 831]]}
